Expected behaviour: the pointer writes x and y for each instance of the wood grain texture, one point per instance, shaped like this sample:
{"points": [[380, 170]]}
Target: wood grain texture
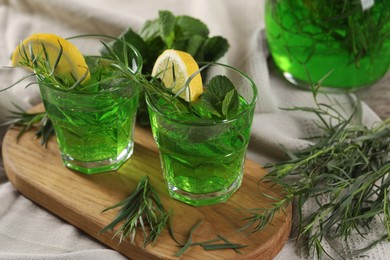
{"points": [[39, 174]]}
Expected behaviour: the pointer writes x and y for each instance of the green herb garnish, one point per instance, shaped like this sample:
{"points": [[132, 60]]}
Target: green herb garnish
{"points": [[144, 208], [219, 101], [167, 31], [183, 33], [220, 97], [360, 32], [188, 243], [206, 245], [26, 121], [345, 174], [141, 209]]}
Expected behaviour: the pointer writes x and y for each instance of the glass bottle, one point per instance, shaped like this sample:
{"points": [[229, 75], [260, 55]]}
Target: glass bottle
{"points": [[341, 44]]}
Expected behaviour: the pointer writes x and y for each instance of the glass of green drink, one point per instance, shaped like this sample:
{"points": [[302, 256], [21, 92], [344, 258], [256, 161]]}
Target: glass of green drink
{"points": [[203, 156], [94, 128]]}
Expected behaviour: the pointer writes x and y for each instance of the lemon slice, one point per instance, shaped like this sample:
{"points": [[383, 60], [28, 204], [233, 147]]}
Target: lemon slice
{"points": [[184, 66], [71, 66]]}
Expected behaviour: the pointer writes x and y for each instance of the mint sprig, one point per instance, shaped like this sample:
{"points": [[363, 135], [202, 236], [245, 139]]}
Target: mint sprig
{"points": [[167, 31], [183, 33], [221, 97]]}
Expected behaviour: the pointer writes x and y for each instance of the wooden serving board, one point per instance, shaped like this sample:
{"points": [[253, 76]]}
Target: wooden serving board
{"points": [[38, 173]]}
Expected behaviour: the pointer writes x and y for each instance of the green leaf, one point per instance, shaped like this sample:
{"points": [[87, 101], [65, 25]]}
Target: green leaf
{"points": [[150, 30], [187, 27], [183, 33], [220, 97], [194, 45], [222, 246], [156, 46], [211, 102], [134, 39], [189, 240], [142, 207], [230, 103], [219, 86], [214, 48], [167, 27], [26, 121], [348, 166]]}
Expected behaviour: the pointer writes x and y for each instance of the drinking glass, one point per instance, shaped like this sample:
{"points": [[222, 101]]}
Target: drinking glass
{"points": [[203, 159], [94, 130]]}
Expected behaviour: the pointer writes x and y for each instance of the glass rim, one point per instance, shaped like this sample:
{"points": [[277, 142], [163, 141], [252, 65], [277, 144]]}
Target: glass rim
{"points": [[122, 86], [204, 121], [137, 57]]}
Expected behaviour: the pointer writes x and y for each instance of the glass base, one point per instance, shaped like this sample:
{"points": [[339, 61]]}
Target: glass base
{"points": [[92, 167], [328, 89], [196, 199]]}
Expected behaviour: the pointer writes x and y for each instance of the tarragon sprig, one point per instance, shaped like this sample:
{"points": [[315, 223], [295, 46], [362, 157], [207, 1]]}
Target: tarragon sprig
{"points": [[143, 211], [217, 243], [345, 174], [140, 210], [25, 121]]}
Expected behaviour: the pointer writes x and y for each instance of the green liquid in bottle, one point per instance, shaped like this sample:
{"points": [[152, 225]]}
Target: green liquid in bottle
{"points": [[336, 41]]}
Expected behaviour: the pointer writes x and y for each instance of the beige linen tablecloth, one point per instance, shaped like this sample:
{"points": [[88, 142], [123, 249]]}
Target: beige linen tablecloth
{"points": [[30, 232]]}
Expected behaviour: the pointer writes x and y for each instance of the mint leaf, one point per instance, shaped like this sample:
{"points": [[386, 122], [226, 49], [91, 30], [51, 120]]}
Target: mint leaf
{"points": [[187, 26], [149, 55], [150, 30], [134, 39], [220, 97], [183, 33], [219, 86], [195, 44], [212, 103], [213, 49], [167, 27], [230, 104], [190, 35]]}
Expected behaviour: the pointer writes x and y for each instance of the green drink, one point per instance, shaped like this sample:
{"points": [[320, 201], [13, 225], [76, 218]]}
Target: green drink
{"points": [[202, 157], [94, 121], [344, 42], [91, 100], [94, 130]]}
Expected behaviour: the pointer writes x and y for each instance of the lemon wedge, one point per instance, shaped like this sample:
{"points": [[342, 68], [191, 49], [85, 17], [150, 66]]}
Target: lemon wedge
{"points": [[183, 65], [71, 66]]}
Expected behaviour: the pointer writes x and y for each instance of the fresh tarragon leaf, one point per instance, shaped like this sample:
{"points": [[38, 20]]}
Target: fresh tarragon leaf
{"points": [[221, 97]]}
